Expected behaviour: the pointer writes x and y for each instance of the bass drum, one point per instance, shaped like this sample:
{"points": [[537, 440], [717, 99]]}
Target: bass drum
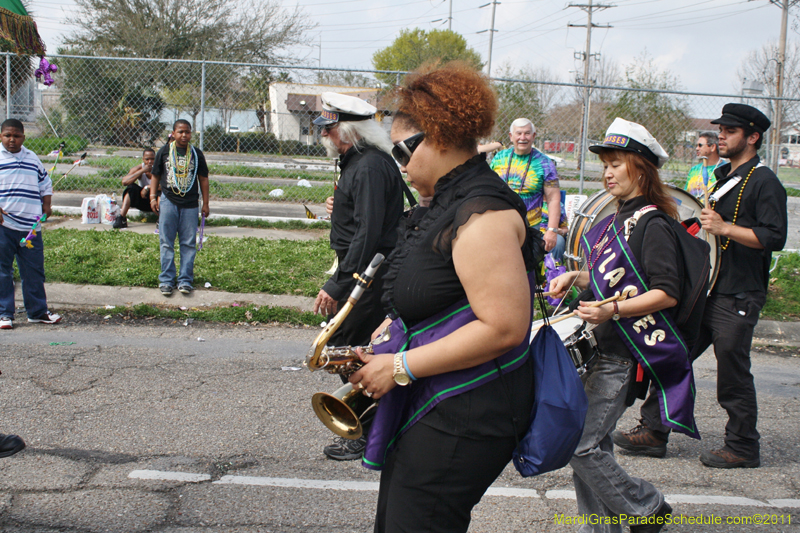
{"points": [[601, 204]]}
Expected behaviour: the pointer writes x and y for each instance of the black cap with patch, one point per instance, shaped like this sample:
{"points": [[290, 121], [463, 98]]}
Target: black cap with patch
{"points": [[742, 115]]}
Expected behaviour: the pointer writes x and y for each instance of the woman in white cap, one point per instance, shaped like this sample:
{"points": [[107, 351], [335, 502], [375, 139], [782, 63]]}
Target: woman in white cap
{"points": [[458, 288], [632, 253]]}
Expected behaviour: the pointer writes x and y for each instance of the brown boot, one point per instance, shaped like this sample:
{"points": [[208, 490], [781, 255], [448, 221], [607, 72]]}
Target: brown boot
{"points": [[640, 440], [723, 458]]}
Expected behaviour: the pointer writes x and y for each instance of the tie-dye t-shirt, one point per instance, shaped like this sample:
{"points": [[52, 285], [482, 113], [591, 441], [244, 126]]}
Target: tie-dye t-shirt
{"points": [[541, 173], [695, 180]]}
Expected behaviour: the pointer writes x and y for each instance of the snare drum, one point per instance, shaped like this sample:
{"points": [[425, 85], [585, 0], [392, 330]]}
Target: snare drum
{"points": [[577, 337], [601, 204]]}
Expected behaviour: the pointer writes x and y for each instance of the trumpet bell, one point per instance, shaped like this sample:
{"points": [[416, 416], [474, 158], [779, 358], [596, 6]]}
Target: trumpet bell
{"points": [[342, 411]]}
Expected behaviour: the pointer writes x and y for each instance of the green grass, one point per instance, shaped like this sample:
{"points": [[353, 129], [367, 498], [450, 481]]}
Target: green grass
{"points": [[251, 314], [783, 297], [245, 264]]}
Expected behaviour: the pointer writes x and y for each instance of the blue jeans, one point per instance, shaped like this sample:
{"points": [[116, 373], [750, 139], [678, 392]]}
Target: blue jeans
{"points": [[602, 486], [181, 221], [31, 271], [558, 250]]}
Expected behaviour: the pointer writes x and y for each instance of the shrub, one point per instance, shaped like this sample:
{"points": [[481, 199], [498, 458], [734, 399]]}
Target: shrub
{"points": [[45, 145]]}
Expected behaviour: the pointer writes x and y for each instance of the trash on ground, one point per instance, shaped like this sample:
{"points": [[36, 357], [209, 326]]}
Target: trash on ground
{"points": [[110, 307], [61, 343], [291, 368], [207, 285], [304, 183], [200, 339], [106, 317], [188, 321], [276, 193]]}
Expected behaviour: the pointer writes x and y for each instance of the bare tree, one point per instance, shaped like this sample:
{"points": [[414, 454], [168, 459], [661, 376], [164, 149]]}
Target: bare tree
{"points": [[761, 66], [223, 30]]}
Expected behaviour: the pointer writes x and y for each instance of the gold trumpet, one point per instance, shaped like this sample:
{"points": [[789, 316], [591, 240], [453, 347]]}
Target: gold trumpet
{"points": [[342, 411]]}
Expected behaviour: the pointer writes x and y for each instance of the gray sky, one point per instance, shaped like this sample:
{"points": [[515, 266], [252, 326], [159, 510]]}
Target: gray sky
{"points": [[702, 42]]}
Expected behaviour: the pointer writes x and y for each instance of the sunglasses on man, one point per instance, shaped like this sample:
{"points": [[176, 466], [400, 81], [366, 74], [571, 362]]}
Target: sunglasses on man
{"points": [[402, 150]]}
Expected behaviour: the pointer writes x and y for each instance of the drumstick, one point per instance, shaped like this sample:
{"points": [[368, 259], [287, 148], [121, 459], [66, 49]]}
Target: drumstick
{"points": [[548, 293], [593, 304]]}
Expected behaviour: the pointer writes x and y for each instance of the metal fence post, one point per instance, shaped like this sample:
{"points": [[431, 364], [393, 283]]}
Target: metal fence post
{"points": [[8, 86], [202, 102], [584, 137]]}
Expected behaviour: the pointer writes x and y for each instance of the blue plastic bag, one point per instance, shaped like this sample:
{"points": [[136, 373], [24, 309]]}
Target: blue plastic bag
{"points": [[559, 408]]}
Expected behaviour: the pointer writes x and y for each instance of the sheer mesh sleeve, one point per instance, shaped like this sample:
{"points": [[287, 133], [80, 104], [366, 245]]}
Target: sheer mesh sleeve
{"points": [[443, 242]]}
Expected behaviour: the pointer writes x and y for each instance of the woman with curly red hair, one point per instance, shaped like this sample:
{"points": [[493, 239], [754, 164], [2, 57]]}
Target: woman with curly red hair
{"points": [[456, 388]]}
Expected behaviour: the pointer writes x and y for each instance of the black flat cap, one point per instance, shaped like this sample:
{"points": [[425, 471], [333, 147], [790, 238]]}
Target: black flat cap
{"points": [[743, 115]]}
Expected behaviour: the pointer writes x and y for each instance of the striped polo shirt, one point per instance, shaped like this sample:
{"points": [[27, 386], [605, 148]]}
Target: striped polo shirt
{"points": [[23, 184], [527, 175]]}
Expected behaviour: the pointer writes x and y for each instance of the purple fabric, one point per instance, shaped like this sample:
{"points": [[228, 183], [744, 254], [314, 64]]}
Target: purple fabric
{"points": [[401, 407], [552, 273], [654, 340]]}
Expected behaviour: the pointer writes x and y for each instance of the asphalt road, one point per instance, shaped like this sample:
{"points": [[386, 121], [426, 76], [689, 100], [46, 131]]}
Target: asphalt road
{"points": [[114, 398]]}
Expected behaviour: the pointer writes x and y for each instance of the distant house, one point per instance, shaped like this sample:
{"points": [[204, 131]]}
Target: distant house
{"points": [[295, 105], [790, 145]]}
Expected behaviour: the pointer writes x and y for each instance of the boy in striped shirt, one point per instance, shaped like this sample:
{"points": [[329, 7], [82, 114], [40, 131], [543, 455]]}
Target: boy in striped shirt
{"points": [[25, 193]]}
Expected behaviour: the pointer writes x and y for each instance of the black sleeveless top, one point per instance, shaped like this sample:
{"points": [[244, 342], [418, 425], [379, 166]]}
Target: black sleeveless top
{"points": [[421, 281]]}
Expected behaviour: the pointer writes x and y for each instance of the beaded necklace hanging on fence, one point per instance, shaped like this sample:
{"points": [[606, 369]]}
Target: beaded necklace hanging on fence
{"points": [[736, 211], [183, 175]]}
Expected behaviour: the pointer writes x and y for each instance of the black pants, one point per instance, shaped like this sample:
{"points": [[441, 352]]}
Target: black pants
{"points": [[728, 324], [432, 480]]}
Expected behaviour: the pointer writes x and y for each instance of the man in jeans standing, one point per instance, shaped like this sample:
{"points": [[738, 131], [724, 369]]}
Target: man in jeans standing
{"points": [[183, 174]]}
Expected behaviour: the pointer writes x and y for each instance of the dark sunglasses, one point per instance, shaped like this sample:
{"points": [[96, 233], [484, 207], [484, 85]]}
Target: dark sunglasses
{"points": [[402, 151]]}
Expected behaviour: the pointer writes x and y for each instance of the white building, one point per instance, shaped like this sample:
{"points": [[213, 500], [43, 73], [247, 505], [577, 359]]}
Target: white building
{"points": [[295, 105]]}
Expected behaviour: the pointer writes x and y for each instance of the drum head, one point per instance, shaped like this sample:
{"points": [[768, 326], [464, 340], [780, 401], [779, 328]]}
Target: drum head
{"points": [[602, 204]]}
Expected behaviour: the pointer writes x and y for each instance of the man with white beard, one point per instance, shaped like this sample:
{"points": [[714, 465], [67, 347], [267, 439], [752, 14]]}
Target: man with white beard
{"points": [[368, 202]]}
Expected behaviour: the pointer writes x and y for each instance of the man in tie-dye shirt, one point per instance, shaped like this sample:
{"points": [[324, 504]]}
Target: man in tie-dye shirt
{"points": [[702, 176], [532, 175]]}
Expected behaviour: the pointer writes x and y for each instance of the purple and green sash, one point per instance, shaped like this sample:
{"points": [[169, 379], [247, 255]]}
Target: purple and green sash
{"points": [[654, 340], [402, 407]]}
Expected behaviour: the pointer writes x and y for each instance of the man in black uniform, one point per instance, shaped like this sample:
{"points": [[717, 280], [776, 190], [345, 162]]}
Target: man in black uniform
{"points": [[368, 204], [748, 212]]}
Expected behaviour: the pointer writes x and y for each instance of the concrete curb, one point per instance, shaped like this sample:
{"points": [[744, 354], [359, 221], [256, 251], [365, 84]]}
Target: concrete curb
{"points": [[68, 296]]}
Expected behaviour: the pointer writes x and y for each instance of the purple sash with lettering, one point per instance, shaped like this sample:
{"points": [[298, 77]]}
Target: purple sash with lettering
{"points": [[654, 340], [401, 407]]}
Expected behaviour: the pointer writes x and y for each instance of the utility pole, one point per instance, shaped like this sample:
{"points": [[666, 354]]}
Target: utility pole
{"points": [[774, 155], [493, 3], [450, 17], [590, 8]]}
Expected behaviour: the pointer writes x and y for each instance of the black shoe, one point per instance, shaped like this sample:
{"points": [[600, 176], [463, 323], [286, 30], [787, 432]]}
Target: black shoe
{"points": [[723, 458], [640, 440], [345, 449], [10, 444], [120, 222], [655, 520], [166, 290]]}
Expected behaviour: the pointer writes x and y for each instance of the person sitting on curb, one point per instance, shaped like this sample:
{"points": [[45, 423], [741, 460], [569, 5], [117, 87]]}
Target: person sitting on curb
{"points": [[26, 194], [137, 188]]}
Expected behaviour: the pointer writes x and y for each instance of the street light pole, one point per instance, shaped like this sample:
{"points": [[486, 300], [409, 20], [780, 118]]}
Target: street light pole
{"points": [[774, 155], [493, 3]]}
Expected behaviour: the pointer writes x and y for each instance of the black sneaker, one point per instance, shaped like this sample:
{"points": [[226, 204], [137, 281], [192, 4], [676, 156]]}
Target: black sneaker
{"points": [[120, 222], [10, 444], [655, 522], [345, 449], [186, 289], [166, 290]]}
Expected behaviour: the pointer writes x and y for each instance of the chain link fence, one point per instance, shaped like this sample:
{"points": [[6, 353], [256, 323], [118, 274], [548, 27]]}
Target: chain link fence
{"points": [[254, 122]]}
